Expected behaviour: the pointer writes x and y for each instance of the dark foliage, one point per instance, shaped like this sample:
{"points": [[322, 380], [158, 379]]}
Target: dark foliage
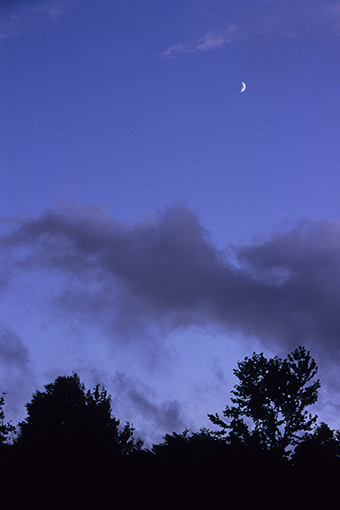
{"points": [[71, 452], [273, 394], [6, 428], [316, 467], [70, 449], [65, 416]]}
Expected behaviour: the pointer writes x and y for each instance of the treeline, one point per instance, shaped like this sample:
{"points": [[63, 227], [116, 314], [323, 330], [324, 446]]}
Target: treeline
{"points": [[266, 450]]}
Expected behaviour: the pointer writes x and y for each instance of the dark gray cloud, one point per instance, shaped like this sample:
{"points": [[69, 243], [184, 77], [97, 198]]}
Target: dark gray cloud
{"points": [[167, 273], [167, 415], [161, 414], [299, 271], [12, 350], [16, 377]]}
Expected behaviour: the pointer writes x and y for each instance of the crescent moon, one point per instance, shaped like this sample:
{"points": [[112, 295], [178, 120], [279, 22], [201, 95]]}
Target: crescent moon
{"points": [[243, 86]]}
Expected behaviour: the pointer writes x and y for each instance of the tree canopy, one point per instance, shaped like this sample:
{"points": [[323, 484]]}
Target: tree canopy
{"points": [[65, 415], [5, 427], [71, 452], [272, 395]]}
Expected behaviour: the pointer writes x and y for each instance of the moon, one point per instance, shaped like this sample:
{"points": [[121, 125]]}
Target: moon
{"points": [[243, 86]]}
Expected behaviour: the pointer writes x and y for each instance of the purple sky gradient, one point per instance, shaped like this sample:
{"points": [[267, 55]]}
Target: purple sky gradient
{"points": [[157, 225]]}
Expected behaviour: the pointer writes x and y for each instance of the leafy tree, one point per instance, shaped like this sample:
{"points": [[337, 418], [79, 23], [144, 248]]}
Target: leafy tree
{"points": [[320, 447], [190, 468], [5, 428], [71, 449], [272, 394], [316, 469], [65, 413]]}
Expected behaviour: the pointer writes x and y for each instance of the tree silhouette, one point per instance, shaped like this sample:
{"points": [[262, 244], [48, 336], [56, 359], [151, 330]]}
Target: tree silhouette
{"points": [[71, 446], [191, 468], [66, 413], [72, 453], [273, 395], [5, 428], [316, 468]]}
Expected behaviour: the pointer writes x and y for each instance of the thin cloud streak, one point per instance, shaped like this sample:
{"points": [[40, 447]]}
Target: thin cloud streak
{"points": [[15, 17], [211, 41], [284, 19]]}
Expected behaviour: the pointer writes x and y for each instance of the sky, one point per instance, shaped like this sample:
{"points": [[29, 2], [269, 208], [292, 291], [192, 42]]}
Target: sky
{"points": [[157, 225]]}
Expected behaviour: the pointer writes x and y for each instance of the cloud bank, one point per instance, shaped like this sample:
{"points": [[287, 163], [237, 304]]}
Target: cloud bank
{"points": [[166, 274]]}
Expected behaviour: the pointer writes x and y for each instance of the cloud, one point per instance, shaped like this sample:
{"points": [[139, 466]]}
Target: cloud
{"points": [[166, 415], [299, 272], [281, 19], [211, 41], [166, 274], [161, 415], [134, 284], [294, 20], [160, 271], [15, 369], [16, 16], [12, 351]]}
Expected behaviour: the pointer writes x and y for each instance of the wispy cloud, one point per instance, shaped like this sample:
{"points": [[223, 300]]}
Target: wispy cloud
{"points": [[17, 16], [211, 41], [334, 13], [270, 20], [10, 26]]}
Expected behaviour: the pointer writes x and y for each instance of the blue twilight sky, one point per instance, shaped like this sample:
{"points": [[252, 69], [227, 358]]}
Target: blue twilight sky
{"points": [[157, 225]]}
